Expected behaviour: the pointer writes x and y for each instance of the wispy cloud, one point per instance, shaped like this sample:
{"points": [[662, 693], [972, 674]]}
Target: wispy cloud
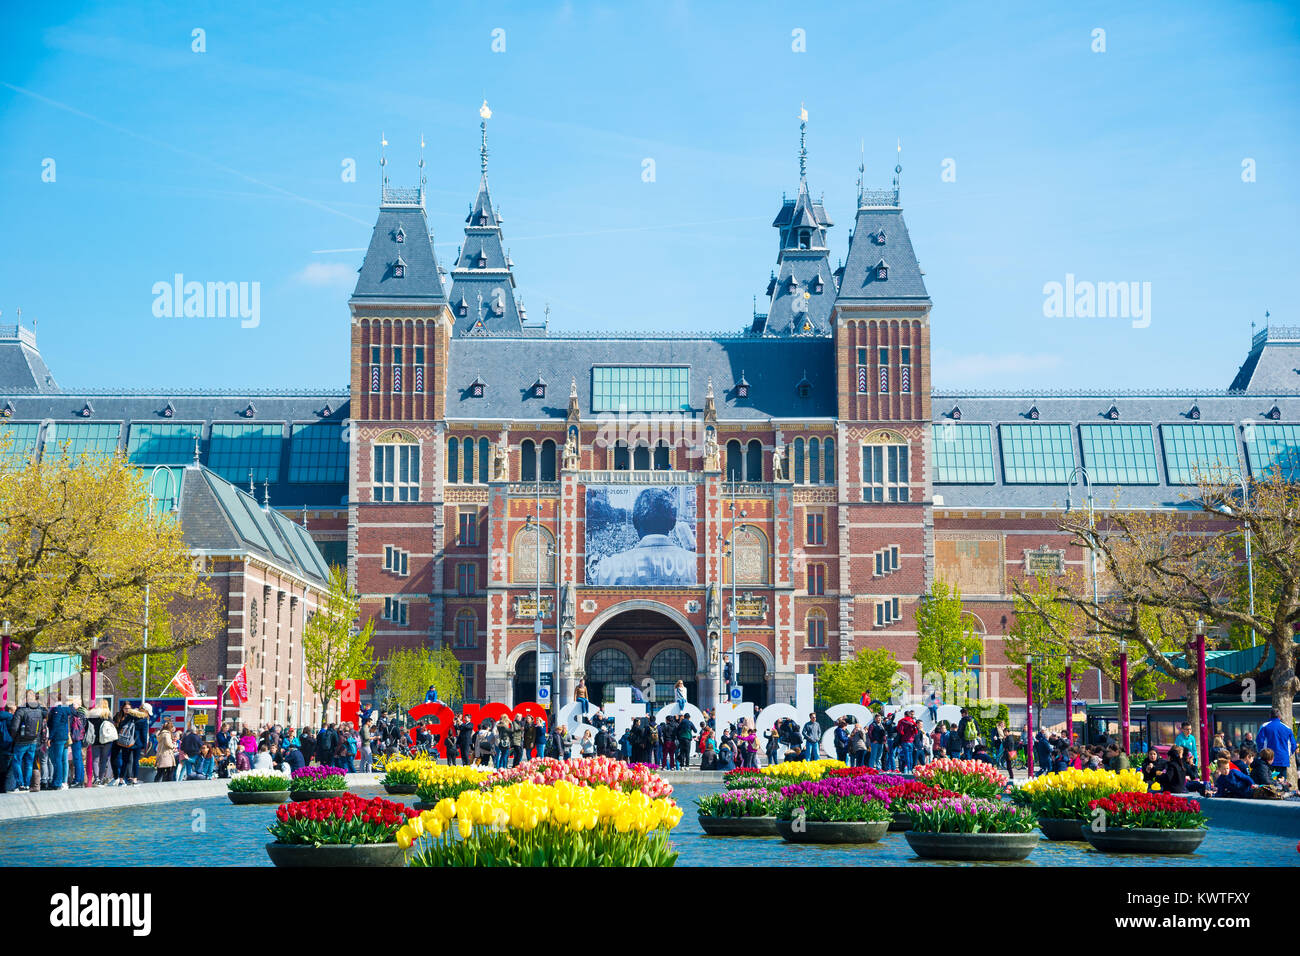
{"points": [[327, 274], [991, 370]]}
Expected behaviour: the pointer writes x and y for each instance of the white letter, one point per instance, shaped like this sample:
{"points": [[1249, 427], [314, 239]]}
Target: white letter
{"points": [[200, 44], [349, 173], [1141, 306], [1052, 305], [799, 40], [647, 170], [498, 40], [252, 316], [162, 302], [1248, 170], [949, 174], [1098, 40], [47, 170]]}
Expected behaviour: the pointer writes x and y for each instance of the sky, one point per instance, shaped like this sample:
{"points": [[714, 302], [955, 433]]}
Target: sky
{"points": [[1164, 150]]}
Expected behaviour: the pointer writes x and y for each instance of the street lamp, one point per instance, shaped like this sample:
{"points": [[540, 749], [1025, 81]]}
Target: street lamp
{"points": [[1204, 737], [6, 629], [1250, 566], [1029, 713], [1069, 703], [1081, 474], [735, 621]]}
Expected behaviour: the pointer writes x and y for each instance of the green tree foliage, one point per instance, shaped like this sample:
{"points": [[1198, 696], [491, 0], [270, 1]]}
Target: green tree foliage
{"points": [[843, 682], [333, 648], [945, 641], [408, 674]]}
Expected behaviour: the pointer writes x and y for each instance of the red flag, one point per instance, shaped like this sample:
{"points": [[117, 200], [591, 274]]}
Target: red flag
{"points": [[239, 687], [184, 683]]}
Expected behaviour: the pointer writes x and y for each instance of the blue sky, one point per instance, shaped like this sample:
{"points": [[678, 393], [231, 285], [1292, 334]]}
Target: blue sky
{"points": [[225, 166]]}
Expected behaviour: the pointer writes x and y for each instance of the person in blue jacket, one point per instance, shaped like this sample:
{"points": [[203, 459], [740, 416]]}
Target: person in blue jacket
{"points": [[1229, 781], [1277, 737], [60, 722]]}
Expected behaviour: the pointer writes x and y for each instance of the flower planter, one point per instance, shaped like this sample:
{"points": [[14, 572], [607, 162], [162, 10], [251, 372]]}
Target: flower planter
{"points": [[147, 774], [399, 788], [1060, 828], [812, 831], [299, 795], [1119, 840], [244, 797], [972, 846], [738, 826], [341, 854], [900, 823]]}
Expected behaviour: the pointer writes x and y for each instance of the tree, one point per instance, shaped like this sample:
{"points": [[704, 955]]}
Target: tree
{"points": [[945, 644], [80, 540], [409, 673], [843, 682], [333, 648]]}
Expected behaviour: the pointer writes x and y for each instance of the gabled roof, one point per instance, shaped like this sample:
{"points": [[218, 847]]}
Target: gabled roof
{"points": [[217, 516], [421, 280]]}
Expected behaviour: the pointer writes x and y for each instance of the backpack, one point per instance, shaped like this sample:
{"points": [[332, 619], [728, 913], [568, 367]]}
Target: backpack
{"points": [[77, 728], [29, 724], [126, 734], [972, 731], [107, 731], [88, 735], [654, 736]]}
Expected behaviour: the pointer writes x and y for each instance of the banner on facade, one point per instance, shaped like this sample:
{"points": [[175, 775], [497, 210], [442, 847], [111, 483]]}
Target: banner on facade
{"points": [[640, 536]]}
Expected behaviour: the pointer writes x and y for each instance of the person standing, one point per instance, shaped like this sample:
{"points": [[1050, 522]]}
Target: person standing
{"points": [[6, 749], [1187, 740], [25, 727], [908, 728], [1278, 737], [812, 738], [165, 769], [685, 737], [60, 724], [876, 738]]}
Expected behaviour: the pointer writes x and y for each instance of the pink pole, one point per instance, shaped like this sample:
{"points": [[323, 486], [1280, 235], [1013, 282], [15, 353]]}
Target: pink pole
{"points": [[1205, 710], [4, 672], [221, 696], [1123, 700], [94, 675], [1069, 706], [1029, 715]]}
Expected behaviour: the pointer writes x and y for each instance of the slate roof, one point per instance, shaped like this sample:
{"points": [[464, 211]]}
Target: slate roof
{"points": [[1082, 408], [802, 306], [483, 282], [422, 280], [216, 516], [858, 281], [21, 367], [1273, 364], [510, 365]]}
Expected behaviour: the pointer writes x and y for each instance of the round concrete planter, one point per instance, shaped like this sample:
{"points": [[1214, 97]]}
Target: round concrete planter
{"points": [[900, 823], [147, 774], [820, 832], [244, 798], [1116, 840], [1060, 828], [738, 826], [299, 795], [342, 854], [399, 788], [972, 846]]}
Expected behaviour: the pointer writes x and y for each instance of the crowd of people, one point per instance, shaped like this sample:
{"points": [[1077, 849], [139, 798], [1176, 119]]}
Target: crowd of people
{"points": [[68, 745]]}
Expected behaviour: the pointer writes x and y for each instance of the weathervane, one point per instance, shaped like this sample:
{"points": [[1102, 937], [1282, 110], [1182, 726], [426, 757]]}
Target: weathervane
{"points": [[486, 115], [803, 132], [383, 162]]}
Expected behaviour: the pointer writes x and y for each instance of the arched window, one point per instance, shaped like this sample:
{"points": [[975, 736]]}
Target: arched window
{"points": [[484, 459], [641, 458], [466, 628], [829, 451], [622, 458], [525, 554], [609, 665], [548, 460], [816, 628], [662, 460], [798, 454], [469, 460], [453, 460], [527, 460], [814, 462], [752, 669], [754, 461], [671, 665], [733, 460], [751, 558]]}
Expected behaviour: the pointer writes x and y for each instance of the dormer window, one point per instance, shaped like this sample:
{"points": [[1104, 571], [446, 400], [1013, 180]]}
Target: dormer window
{"points": [[86, 410], [327, 411], [1195, 413], [1112, 413], [817, 284], [1275, 413], [880, 237], [399, 268], [805, 239], [1032, 415], [400, 235], [462, 307], [742, 387], [249, 410], [477, 387], [955, 414], [804, 388], [792, 283], [538, 388], [8, 410], [482, 218], [482, 259], [882, 270], [168, 410]]}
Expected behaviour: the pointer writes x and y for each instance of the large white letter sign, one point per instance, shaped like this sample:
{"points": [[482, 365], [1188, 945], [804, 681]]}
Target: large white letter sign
{"points": [[803, 706]]}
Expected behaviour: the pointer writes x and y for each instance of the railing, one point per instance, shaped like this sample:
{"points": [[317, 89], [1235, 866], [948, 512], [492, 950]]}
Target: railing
{"points": [[530, 489], [747, 489], [639, 477], [878, 197], [1275, 333], [403, 197], [19, 332]]}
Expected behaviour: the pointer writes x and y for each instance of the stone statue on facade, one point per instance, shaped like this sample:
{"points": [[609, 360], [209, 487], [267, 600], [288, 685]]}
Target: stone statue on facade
{"points": [[713, 614], [714, 651], [568, 607], [778, 467], [712, 458], [501, 464], [571, 451]]}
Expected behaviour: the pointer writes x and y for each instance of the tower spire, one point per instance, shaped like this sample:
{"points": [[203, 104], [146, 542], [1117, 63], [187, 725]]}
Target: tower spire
{"points": [[485, 114], [423, 178], [803, 147], [898, 169], [383, 166]]}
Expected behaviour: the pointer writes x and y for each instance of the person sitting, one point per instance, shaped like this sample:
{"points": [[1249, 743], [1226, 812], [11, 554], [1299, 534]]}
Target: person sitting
{"points": [[263, 759], [1261, 770], [982, 755], [202, 766], [1152, 766], [1229, 781], [1173, 778]]}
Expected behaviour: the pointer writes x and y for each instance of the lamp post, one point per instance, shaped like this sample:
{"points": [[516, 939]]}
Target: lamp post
{"points": [[1029, 714], [1069, 702], [1203, 737], [1081, 474], [1250, 566], [735, 622], [6, 629], [1123, 695], [175, 484]]}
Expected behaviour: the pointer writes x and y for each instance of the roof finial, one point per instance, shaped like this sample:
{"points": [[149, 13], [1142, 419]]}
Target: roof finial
{"points": [[252, 492], [486, 115], [423, 178], [898, 169], [196, 445], [383, 163], [304, 517], [266, 495], [862, 165], [803, 148]]}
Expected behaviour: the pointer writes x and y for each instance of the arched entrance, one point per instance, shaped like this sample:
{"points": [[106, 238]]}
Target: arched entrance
{"points": [[525, 685], [624, 648], [753, 679]]}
